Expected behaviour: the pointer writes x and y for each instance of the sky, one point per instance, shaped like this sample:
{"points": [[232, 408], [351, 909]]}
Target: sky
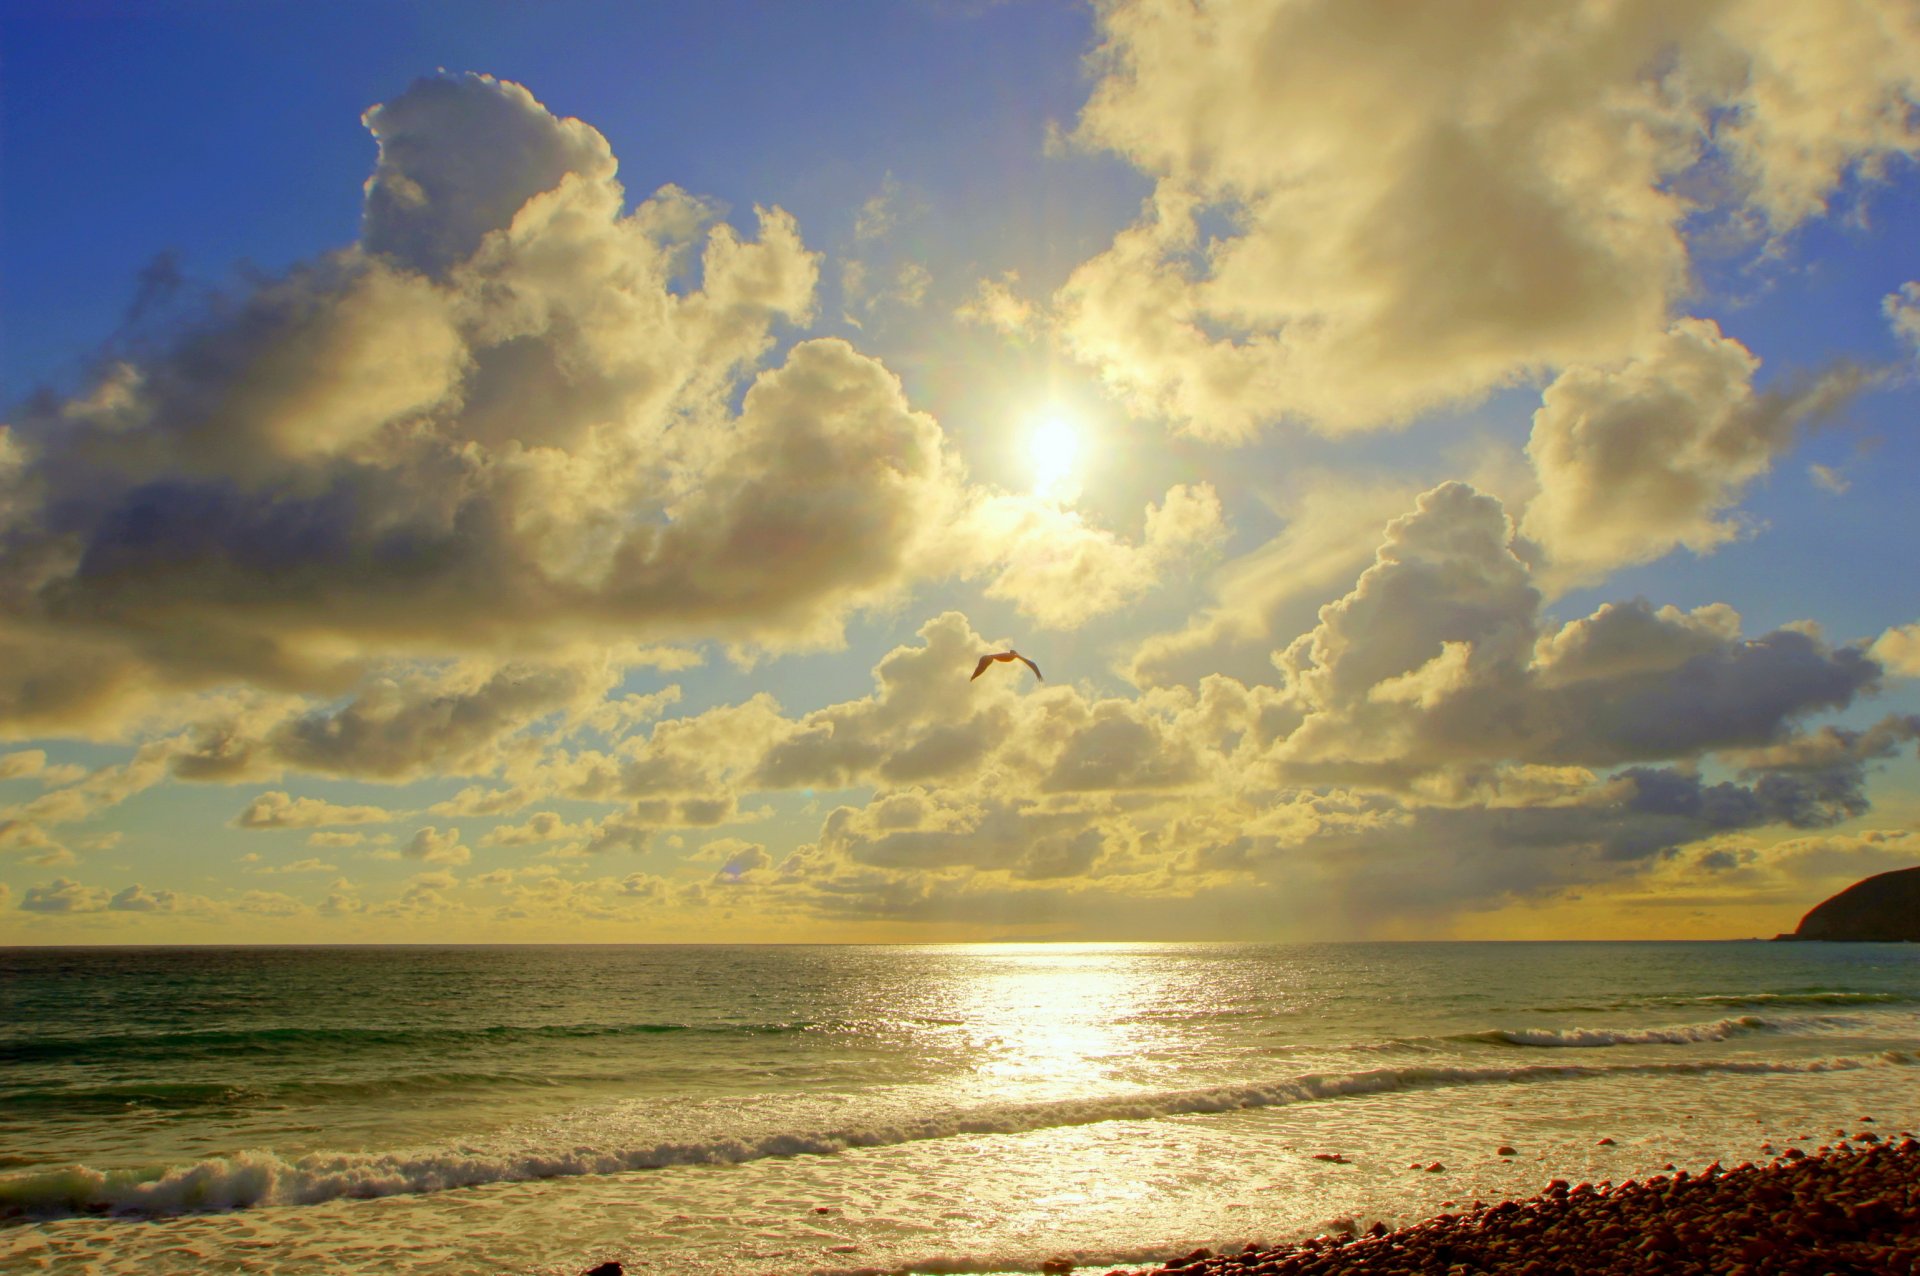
{"points": [[498, 472]]}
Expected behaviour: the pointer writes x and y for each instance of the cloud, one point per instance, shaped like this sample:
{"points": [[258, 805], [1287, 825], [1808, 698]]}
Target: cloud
{"points": [[22, 764], [268, 904], [736, 858], [1637, 458], [435, 847], [279, 810], [997, 304], [1898, 649], [1062, 571], [64, 896], [1438, 658], [1829, 479], [1418, 209], [545, 826], [1902, 309], [493, 425], [336, 840], [1276, 590], [460, 156], [883, 211], [138, 899], [104, 787]]}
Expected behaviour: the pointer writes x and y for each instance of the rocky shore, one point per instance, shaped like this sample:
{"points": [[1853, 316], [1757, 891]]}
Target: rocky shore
{"points": [[1851, 1210]]}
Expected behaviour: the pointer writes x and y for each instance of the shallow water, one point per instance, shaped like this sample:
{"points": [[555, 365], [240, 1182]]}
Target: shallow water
{"points": [[954, 1108]]}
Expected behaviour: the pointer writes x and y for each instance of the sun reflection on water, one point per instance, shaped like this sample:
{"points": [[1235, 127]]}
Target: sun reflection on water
{"points": [[1047, 1018]]}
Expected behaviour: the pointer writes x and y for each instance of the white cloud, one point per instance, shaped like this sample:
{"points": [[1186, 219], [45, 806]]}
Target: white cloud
{"points": [[1898, 649], [997, 304], [1639, 457], [1902, 309], [1062, 571], [492, 425], [1418, 209], [278, 809], [435, 847]]}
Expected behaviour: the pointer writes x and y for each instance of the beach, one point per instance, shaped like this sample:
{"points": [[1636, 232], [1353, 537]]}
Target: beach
{"points": [[1849, 1209], [938, 1110]]}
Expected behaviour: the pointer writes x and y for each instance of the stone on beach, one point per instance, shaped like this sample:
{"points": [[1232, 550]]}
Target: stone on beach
{"points": [[1854, 1212]]}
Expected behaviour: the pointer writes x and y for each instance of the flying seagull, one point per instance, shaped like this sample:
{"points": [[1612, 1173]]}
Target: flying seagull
{"points": [[1008, 654]]}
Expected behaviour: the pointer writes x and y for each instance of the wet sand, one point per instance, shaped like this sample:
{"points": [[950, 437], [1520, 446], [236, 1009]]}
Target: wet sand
{"points": [[1852, 1209]]}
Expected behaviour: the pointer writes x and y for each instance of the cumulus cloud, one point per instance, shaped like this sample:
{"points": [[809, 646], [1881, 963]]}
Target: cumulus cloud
{"points": [[1898, 649], [433, 846], [1438, 658], [454, 436], [280, 810], [1902, 309], [997, 304], [138, 899], [1275, 591], [1420, 208], [64, 896], [1637, 458]]}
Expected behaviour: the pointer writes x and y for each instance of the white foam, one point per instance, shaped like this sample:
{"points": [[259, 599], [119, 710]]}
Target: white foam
{"points": [[257, 1178], [1592, 1038]]}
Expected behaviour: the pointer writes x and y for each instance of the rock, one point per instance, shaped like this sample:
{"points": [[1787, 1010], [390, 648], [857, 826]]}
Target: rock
{"points": [[1056, 1267], [1879, 909], [1435, 1168], [1506, 1151], [1606, 1143], [1337, 1158], [605, 1269]]}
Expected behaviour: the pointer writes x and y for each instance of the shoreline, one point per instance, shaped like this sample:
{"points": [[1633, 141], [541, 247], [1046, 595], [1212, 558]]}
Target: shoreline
{"points": [[1848, 1210]]}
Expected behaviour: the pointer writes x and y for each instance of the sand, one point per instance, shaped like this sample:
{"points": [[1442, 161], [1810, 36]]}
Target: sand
{"points": [[1850, 1210]]}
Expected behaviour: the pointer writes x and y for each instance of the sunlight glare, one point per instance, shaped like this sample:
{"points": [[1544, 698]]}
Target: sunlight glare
{"points": [[1054, 450]]}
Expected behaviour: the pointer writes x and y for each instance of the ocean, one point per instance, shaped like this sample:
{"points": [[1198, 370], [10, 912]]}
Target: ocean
{"points": [[974, 1108]]}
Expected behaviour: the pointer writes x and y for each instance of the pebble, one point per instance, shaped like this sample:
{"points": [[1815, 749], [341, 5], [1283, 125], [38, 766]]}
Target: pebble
{"points": [[1853, 1211]]}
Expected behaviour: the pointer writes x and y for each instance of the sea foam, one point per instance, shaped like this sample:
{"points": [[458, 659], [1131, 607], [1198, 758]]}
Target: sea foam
{"points": [[257, 1178], [1591, 1038]]}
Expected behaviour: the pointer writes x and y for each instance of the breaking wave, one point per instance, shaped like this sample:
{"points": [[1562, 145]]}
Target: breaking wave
{"points": [[257, 1178], [1592, 1038]]}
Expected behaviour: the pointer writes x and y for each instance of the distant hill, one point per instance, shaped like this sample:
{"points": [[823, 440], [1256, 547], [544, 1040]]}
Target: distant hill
{"points": [[1880, 908]]}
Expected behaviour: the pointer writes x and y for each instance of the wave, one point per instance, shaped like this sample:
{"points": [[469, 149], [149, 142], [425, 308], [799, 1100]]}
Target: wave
{"points": [[189, 1095], [257, 1178], [1803, 997], [276, 1040], [1593, 1038]]}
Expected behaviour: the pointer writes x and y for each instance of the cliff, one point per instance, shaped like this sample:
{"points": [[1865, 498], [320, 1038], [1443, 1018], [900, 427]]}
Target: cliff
{"points": [[1880, 908]]}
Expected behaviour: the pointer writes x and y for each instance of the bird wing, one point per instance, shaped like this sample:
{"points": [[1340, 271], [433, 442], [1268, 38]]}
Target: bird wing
{"points": [[1029, 664], [981, 667]]}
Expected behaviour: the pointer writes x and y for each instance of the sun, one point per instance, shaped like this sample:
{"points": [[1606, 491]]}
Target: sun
{"points": [[1053, 450]]}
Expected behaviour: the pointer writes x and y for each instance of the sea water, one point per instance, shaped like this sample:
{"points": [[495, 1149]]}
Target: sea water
{"points": [[889, 1109]]}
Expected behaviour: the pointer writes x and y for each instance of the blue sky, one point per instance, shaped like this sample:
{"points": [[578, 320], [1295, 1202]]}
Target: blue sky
{"points": [[568, 503]]}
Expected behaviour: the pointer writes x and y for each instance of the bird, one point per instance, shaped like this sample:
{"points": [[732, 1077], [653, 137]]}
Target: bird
{"points": [[1008, 654]]}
